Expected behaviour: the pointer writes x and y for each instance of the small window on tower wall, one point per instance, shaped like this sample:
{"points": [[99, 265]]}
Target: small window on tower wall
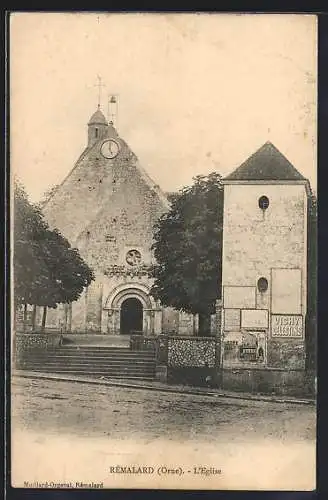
{"points": [[96, 132], [262, 284], [263, 202]]}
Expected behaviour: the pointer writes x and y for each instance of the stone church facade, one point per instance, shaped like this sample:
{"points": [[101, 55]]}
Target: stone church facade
{"points": [[107, 207]]}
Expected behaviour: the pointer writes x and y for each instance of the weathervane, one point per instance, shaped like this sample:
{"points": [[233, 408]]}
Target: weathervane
{"points": [[112, 110]]}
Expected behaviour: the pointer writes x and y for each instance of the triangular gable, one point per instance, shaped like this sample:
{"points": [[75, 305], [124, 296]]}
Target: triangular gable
{"points": [[88, 188]]}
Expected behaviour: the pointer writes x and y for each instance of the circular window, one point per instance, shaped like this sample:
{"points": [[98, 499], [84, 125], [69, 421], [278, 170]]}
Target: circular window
{"points": [[262, 285], [263, 202], [133, 257]]}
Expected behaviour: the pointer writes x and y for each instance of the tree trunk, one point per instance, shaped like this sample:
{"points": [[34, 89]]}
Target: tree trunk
{"points": [[25, 318], [44, 318], [69, 325], [66, 317], [204, 325], [33, 318]]}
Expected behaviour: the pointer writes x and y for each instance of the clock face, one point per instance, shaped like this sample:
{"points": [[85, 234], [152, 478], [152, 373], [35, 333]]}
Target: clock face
{"points": [[110, 148]]}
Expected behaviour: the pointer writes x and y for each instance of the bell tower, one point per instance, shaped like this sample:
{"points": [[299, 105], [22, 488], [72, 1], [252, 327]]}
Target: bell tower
{"points": [[264, 264], [97, 127]]}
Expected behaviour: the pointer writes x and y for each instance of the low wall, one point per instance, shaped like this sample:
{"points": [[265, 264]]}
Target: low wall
{"points": [[143, 343], [196, 352], [269, 381], [31, 341], [286, 353], [198, 377], [191, 360], [194, 361]]}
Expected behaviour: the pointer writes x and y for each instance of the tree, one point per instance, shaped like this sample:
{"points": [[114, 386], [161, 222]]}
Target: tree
{"points": [[30, 271], [187, 248], [47, 271], [171, 196]]}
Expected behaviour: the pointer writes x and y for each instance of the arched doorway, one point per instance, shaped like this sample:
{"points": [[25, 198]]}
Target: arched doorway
{"points": [[131, 316]]}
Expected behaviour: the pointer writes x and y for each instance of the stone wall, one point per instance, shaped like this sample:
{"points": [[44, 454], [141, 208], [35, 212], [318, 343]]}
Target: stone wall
{"points": [[126, 221], [33, 341], [190, 360], [170, 321], [272, 244], [78, 321], [269, 381], [36, 340], [195, 361], [255, 241], [195, 352], [94, 307], [286, 353]]}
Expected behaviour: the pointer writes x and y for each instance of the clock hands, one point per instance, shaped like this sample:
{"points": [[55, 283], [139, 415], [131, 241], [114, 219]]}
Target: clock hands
{"points": [[110, 148]]}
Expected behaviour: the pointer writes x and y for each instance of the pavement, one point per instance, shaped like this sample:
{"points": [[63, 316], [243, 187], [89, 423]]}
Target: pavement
{"points": [[162, 387]]}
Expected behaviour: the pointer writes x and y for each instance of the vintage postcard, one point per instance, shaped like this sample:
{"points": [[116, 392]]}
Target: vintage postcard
{"points": [[163, 186]]}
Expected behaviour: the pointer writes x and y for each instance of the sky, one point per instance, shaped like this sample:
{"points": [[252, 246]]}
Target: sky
{"points": [[197, 92]]}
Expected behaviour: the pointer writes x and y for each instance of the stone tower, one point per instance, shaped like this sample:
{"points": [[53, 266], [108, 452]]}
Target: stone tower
{"points": [[264, 264], [97, 127]]}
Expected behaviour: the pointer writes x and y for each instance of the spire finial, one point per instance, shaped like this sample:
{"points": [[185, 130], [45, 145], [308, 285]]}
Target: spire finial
{"points": [[99, 85]]}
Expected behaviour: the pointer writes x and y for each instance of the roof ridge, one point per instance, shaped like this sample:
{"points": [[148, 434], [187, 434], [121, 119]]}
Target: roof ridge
{"points": [[86, 149], [151, 184]]}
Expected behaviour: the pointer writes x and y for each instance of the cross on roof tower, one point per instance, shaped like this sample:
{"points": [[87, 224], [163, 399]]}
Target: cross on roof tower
{"points": [[99, 85]]}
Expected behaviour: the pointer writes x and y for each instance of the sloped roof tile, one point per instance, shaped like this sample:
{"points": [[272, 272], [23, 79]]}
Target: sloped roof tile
{"points": [[98, 118], [267, 164]]}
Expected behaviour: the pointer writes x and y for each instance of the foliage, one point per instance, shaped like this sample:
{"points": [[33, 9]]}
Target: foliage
{"points": [[171, 196], [187, 247], [47, 271], [29, 227]]}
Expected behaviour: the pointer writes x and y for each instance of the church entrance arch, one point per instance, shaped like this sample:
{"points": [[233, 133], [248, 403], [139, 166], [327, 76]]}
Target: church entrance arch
{"points": [[130, 309], [131, 316]]}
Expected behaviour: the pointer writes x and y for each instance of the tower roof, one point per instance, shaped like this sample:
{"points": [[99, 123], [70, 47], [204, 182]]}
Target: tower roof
{"points": [[267, 164], [98, 118]]}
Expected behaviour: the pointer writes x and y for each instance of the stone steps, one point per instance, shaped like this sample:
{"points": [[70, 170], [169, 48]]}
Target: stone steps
{"points": [[107, 349], [86, 356], [88, 364], [97, 361]]}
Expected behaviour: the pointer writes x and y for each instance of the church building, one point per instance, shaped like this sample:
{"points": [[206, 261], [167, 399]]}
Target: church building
{"points": [[107, 207]]}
